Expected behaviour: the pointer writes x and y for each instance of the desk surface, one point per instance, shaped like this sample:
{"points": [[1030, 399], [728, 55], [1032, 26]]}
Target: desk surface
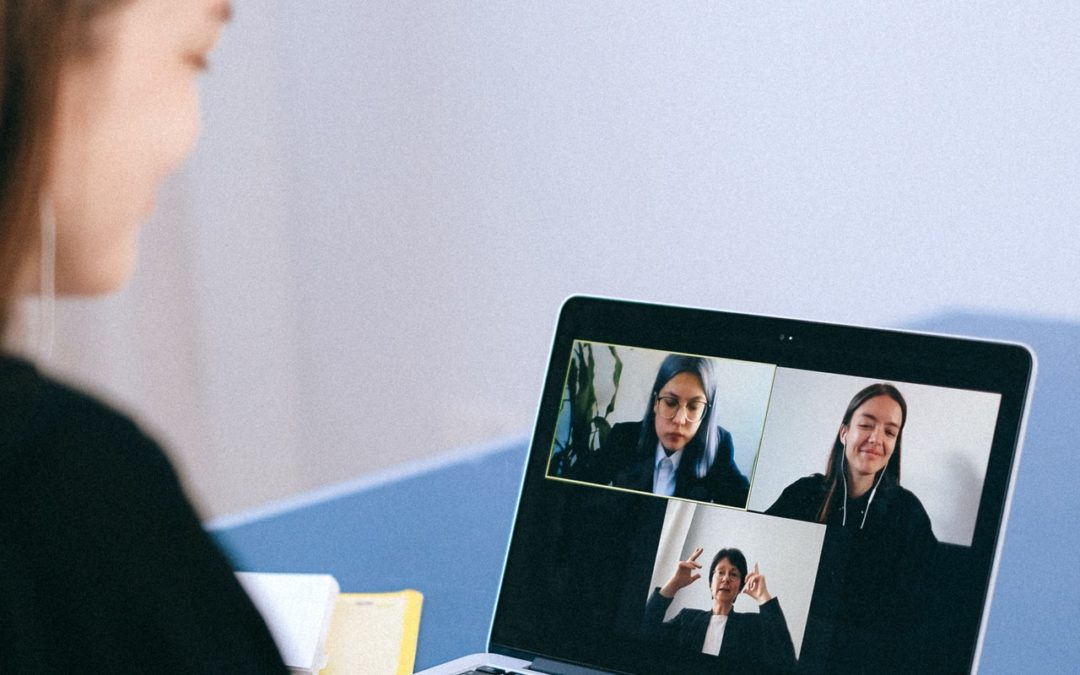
{"points": [[443, 529]]}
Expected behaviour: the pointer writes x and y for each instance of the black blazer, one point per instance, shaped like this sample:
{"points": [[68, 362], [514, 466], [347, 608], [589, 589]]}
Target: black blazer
{"points": [[621, 463], [752, 642]]}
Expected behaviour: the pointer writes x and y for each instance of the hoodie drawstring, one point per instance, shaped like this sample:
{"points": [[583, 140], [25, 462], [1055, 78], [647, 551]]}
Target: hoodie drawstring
{"points": [[873, 492]]}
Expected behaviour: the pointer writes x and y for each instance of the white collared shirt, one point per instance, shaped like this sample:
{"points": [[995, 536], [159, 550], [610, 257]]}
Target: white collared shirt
{"points": [[660, 486], [714, 636]]}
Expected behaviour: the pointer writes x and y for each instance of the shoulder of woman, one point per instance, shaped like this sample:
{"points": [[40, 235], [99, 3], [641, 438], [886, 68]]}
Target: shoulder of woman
{"points": [[900, 495], [624, 434], [690, 615], [905, 510], [765, 609], [626, 428], [800, 499], [811, 483], [49, 425], [910, 501]]}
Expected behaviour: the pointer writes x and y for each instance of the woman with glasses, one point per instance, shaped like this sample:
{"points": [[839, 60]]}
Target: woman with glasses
{"points": [[678, 449], [745, 642]]}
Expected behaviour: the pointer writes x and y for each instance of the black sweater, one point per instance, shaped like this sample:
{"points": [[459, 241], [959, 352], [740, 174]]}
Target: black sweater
{"points": [[104, 565], [875, 580]]}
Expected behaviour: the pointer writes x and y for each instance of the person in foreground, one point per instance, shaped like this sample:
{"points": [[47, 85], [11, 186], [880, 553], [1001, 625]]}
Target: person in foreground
{"points": [[678, 449], [104, 564], [744, 642]]}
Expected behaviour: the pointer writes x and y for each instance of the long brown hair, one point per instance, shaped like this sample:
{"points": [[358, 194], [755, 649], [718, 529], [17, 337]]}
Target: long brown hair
{"points": [[834, 471], [37, 38]]}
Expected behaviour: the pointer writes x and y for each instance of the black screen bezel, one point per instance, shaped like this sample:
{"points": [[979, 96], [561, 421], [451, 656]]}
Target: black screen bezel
{"points": [[893, 355]]}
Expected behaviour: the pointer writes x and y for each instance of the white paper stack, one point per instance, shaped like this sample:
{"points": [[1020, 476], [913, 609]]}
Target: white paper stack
{"points": [[297, 608]]}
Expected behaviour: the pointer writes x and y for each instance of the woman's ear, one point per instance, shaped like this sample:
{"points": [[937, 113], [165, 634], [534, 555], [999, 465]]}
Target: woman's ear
{"points": [[843, 434]]}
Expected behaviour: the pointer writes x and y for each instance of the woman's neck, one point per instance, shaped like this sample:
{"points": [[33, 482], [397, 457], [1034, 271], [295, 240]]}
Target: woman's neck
{"points": [[721, 607], [858, 485]]}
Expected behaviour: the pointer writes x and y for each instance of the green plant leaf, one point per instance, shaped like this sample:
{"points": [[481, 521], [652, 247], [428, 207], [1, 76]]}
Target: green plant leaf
{"points": [[603, 428], [615, 377]]}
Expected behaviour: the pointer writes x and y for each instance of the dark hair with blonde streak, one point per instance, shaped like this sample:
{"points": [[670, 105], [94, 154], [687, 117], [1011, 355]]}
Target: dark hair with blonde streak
{"points": [[38, 38], [705, 443], [833, 473]]}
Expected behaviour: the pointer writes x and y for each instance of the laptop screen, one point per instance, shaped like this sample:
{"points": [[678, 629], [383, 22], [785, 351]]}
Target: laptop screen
{"points": [[719, 492]]}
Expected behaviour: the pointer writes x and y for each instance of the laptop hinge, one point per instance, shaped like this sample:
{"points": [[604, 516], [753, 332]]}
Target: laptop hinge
{"points": [[543, 665]]}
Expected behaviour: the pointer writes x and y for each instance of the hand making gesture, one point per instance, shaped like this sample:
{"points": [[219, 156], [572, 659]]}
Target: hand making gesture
{"points": [[755, 586], [686, 573]]}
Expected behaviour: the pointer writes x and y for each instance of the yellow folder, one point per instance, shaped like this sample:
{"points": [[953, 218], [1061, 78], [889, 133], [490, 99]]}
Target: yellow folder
{"points": [[374, 633]]}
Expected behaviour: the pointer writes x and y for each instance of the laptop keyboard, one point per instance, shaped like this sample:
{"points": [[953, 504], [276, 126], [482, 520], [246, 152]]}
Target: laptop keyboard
{"points": [[490, 670]]}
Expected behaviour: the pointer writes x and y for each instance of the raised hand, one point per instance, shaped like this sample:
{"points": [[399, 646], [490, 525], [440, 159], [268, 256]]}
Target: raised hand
{"points": [[686, 573], [755, 586]]}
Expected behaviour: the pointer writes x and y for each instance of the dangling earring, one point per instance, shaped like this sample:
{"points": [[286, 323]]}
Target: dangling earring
{"points": [[47, 281]]}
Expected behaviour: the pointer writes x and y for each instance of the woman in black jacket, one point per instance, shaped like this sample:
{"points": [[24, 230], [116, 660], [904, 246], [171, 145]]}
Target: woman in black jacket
{"points": [[743, 641], [679, 448]]}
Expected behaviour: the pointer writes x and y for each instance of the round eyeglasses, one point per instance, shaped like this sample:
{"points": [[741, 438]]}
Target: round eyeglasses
{"points": [[668, 407]]}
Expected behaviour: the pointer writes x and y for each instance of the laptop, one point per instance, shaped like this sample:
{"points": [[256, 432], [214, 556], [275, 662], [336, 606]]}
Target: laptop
{"points": [[713, 492]]}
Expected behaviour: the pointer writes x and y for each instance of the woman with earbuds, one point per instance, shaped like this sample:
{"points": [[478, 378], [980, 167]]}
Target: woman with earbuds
{"points": [[877, 557], [861, 485]]}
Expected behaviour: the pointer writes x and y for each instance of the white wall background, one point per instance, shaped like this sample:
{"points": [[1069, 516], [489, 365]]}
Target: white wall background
{"points": [[362, 263], [945, 446], [786, 552]]}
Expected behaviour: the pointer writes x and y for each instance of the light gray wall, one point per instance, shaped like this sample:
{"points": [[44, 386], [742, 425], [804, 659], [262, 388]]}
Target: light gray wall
{"points": [[365, 258]]}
